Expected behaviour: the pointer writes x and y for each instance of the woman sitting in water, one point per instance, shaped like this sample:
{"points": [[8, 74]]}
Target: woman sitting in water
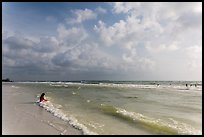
{"points": [[42, 97]]}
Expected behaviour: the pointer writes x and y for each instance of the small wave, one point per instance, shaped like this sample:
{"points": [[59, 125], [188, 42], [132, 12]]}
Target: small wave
{"points": [[54, 109], [88, 101], [157, 125], [14, 86], [74, 93], [56, 85], [102, 85], [117, 85]]}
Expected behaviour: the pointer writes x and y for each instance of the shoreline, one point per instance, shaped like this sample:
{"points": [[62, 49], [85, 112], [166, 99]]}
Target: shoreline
{"points": [[22, 116]]}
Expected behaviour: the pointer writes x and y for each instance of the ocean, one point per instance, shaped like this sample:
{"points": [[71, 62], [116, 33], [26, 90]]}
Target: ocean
{"points": [[123, 107]]}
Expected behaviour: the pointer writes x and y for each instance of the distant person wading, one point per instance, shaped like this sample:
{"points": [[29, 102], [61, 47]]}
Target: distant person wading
{"points": [[42, 97]]}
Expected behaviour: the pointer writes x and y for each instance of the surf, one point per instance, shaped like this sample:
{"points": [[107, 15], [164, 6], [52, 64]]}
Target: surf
{"points": [[158, 126], [55, 109]]}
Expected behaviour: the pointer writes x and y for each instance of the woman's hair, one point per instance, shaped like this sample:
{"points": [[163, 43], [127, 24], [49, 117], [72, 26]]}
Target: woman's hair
{"points": [[42, 94]]}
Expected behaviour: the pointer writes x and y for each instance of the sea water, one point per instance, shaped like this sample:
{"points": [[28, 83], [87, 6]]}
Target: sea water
{"points": [[124, 107]]}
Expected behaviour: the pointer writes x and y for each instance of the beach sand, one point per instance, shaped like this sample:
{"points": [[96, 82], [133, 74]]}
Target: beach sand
{"points": [[22, 116]]}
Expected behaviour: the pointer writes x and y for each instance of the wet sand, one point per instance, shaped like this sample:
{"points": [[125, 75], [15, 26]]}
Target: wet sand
{"points": [[22, 116]]}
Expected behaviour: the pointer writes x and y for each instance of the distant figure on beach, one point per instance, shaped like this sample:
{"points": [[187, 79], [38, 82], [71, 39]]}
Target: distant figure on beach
{"points": [[42, 97], [195, 85], [186, 85]]}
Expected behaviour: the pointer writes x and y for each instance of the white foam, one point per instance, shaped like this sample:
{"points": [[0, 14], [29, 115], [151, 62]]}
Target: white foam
{"points": [[14, 86], [113, 85], [70, 119], [88, 101], [181, 127]]}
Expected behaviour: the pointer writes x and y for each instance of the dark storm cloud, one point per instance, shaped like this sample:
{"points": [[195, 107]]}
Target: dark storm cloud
{"points": [[18, 43]]}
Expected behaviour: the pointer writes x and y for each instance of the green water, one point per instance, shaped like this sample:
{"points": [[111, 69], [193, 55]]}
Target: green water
{"points": [[127, 107]]}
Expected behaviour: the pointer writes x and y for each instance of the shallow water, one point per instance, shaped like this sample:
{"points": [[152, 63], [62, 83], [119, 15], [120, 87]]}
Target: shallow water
{"points": [[124, 107]]}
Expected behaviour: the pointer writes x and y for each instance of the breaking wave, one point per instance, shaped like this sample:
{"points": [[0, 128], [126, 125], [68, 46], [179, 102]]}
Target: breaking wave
{"points": [[157, 125]]}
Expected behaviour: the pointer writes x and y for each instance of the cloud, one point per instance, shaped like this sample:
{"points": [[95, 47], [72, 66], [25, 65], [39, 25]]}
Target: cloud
{"points": [[126, 34], [103, 31], [162, 48], [47, 44], [70, 51], [18, 43], [149, 40], [72, 36], [84, 15], [124, 7], [129, 29], [194, 56], [158, 27], [85, 57], [21, 52], [122, 37], [100, 10], [164, 25], [81, 15]]}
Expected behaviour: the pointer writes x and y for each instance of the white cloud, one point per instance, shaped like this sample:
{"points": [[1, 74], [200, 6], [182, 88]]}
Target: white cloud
{"points": [[162, 47], [173, 46], [84, 15], [72, 36], [124, 7], [130, 29], [81, 15], [126, 34], [150, 37], [100, 10], [101, 29], [155, 23], [159, 27], [147, 64], [47, 44], [77, 51], [85, 57], [194, 54]]}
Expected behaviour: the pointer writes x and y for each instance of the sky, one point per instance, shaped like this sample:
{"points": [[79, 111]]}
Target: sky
{"points": [[64, 41]]}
